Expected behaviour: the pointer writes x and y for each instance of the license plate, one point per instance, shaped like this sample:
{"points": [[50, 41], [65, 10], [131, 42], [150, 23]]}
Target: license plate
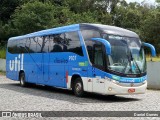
{"points": [[132, 90]]}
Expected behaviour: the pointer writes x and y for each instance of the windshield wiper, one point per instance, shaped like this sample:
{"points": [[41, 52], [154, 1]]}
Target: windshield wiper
{"points": [[132, 59], [129, 61], [136, 65]]}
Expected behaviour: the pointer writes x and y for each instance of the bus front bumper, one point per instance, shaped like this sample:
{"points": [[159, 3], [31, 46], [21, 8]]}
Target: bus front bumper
{"points": [[116, 89]]}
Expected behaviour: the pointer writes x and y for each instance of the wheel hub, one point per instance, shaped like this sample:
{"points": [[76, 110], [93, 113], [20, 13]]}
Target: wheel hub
{"points": [[78, 87]]}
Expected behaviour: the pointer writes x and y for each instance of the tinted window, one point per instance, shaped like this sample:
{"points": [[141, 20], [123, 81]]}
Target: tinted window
{"points": [[96, 53], [51, 43], [72, 43], [12, 46], [65, 42], [39, 46], [57, 43], [21, 46], [33, 44], [46, 43], [27, 45], [88, 34]]}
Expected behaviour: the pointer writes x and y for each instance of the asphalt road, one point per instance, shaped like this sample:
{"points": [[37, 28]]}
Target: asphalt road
{"points": [[40, 98]]}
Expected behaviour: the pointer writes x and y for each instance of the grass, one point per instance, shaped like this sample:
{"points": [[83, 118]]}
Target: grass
{"points": [[2, 53], [154, 59], [2, 73]]}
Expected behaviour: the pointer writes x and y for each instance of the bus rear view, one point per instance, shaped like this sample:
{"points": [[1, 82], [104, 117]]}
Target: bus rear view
{"points": [[83, 57]]}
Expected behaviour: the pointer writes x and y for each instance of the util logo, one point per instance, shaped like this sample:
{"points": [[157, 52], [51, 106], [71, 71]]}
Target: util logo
{"points": [[17, 63]]}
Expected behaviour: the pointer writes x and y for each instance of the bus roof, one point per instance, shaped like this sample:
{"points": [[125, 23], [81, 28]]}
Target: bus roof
{"points": [[103, 28], [110, 29], [57, 30]]}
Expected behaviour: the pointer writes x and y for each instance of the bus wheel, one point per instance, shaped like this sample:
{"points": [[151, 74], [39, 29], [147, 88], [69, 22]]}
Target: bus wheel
{"points": [[22, 80], [78, 88]]}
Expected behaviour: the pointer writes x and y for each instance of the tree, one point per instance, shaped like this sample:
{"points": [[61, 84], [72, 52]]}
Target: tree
{"points": [[150, 29], [6, 32], [65, 16], [34, 16], [24, 16], [158, 3], [7, 8], [132, 19]]}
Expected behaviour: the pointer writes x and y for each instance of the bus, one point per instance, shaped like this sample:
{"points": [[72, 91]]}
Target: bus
{"points": [[84, 57]]}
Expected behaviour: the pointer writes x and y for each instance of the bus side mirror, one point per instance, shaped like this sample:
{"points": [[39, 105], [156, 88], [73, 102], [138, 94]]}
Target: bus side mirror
{"points": [[106, 44], [153, 51]]}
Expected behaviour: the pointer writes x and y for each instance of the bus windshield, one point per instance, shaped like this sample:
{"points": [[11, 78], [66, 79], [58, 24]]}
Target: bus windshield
{"points": [[127, 55]]}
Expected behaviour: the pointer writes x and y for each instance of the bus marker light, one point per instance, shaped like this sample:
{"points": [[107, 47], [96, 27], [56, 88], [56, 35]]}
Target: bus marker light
{"points": [[66, 76], [110, 89]]}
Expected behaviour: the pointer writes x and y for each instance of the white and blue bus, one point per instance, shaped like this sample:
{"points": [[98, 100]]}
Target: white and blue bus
{"points": [[82, 57]]}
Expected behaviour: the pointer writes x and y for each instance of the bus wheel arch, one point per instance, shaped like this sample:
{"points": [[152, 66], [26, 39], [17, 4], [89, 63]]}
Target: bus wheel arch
{"points": [[22, 78], [77, 85]]}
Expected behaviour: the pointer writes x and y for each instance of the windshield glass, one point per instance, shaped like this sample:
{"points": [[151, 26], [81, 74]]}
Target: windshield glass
{"points": [[127, 55]]}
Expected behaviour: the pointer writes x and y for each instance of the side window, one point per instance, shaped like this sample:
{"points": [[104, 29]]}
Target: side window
{"points": [[46, 43], [27, 45], [16, 46], [57, 43], [72, 43], [39, 47], [88, 34], [21, 46], [33, 43], [37, 44], [51, 43], [98, 55], [12, 46]]}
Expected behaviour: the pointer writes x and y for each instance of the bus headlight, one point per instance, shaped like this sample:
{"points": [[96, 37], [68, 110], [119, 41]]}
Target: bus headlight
{"points": [[113, 81]]}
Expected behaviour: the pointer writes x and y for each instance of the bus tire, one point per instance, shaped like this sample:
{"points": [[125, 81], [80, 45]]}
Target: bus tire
{"points": [[22, 80], [78, 87]]}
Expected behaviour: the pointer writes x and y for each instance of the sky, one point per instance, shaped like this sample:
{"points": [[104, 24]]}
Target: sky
{"points": [[139, 1]]}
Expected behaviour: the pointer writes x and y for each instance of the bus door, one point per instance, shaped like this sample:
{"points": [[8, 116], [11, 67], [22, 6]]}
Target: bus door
{"points": [[98, 80], [97, 69]]}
